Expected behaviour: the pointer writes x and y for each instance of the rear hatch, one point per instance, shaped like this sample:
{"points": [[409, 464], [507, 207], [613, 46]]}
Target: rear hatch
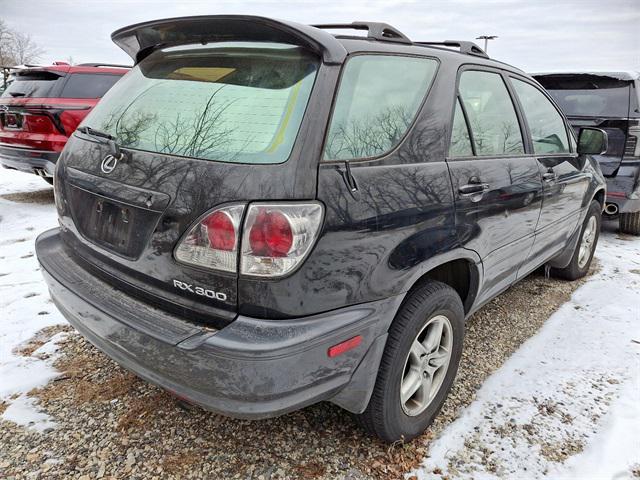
{"points": [[30, 112], [200, 126], [595, 100]]}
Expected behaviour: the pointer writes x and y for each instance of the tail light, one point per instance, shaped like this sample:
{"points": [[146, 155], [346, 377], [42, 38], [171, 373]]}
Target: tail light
{"points": [[213, 241], [276, 238], [632, 145]]}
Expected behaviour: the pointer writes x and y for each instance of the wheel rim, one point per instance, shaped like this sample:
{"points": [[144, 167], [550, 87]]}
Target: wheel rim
{"points": [[426, 365], [588, 241]]}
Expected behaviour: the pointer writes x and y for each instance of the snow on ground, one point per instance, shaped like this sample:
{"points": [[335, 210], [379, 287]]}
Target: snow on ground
{"points": [[567, 403], [25, 306]]}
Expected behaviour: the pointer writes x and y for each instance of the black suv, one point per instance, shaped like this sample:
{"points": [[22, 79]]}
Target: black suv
{"points": [[262, 215], [610, 101]]}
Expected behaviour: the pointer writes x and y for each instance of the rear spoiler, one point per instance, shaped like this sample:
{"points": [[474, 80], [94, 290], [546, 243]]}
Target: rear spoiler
{"points": [[139, 40]]}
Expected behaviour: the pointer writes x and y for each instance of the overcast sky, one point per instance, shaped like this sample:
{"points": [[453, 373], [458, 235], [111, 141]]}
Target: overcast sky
{"points": [[535, 35]]}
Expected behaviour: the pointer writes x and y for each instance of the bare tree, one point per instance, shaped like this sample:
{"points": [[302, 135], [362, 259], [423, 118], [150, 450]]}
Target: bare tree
{"points": [[17, 48], [6, 44]]}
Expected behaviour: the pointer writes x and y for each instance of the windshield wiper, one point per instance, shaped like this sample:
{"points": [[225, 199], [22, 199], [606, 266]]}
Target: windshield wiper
{"points": [[110, 139]]}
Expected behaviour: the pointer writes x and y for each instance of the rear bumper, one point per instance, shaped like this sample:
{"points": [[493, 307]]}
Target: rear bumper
{"points": [[252, 368], [29, 160], [623, 190]]}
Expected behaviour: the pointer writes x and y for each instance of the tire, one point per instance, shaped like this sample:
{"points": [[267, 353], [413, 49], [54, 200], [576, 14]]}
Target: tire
{"points": [[386, 416], [579, 265], [630, 223], [49, 180]]}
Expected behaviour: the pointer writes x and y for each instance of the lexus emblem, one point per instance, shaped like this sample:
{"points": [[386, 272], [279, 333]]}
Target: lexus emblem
{"points": [[108, 164]]}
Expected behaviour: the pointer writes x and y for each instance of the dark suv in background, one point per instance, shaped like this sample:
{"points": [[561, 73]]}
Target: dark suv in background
{"points": [[610, 101], [262, 215], [41, 108]]}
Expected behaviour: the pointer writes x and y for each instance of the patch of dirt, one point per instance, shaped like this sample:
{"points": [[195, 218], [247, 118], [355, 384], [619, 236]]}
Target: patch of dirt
{"points": [[559, 452], [44, 196], [40, 338]]}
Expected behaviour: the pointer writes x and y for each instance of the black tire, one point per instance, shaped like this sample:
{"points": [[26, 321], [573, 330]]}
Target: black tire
{"points": [[630, 223], [384, 416], [574, 270], [49, 180]]}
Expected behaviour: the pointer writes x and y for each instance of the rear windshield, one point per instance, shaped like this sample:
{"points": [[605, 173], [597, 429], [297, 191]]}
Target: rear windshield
{"points": [[589, 95], [33, 85], [88, 85], [235, 102]]}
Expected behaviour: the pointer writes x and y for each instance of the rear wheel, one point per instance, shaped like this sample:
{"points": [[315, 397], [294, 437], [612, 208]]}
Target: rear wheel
{"points": [[630, 223], [586, 247], [419, 364]]}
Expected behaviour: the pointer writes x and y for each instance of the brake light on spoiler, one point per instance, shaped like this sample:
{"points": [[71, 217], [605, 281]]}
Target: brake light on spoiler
{"points": [[274, 238]]}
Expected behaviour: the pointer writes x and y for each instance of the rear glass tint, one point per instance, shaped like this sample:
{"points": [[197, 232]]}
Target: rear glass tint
{"points": [[234, 102], [88, 85], [378, 99], [33, 85], [589, 95]]}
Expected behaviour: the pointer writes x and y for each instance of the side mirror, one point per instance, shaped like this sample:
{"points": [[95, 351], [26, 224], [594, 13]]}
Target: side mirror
{"points": [[592, 141]]}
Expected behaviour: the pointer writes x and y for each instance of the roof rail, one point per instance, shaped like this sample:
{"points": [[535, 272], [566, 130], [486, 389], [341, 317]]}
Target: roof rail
{"points": [[377, 30], [465, 47], [102, 65]]}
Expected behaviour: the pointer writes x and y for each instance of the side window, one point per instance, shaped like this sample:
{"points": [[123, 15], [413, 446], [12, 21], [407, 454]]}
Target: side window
{"points": [[87, 85], [460, 141], [378, 99], [492, 116], [547, 127]]}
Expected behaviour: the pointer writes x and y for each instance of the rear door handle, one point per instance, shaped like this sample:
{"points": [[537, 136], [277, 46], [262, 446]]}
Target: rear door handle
{"points": [[549, 176], [473, 189]]}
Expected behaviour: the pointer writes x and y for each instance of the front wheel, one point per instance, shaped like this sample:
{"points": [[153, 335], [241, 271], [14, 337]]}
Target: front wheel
{"points": [[586, 247], [419, 364]]}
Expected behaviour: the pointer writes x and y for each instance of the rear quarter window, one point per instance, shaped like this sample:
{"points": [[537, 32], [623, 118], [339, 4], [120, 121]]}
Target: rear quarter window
{"points": [[377, 101], [88, 85], [33, 85]]}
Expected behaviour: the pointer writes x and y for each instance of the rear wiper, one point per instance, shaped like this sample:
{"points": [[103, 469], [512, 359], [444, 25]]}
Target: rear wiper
{"points": [[110, 139], [95, 133], [17, 94]]}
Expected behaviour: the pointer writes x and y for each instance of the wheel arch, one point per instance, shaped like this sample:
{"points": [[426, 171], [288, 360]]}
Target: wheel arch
{"points": [[600, 196], [460, 269]]}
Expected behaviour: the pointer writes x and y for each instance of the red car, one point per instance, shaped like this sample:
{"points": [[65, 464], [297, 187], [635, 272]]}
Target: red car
{"points": [[42, 107]]}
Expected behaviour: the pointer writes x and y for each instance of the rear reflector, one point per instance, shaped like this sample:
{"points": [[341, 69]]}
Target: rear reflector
{"points": [[345, 346]]}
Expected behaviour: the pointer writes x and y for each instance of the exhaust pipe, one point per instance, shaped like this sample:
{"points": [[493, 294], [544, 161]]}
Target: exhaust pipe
{"points": [[611, 209], [41, 172]]}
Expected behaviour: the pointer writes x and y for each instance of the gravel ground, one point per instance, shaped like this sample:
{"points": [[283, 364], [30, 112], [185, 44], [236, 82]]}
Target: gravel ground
{"points": [[112, 425]]}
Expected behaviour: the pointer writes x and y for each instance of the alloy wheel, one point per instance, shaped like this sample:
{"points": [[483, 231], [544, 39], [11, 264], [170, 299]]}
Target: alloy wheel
{"points": [[426, 365]]}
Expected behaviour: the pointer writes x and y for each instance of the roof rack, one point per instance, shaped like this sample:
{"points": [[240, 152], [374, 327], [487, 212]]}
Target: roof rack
{"points": [[102, 65], [468, 48], [377, 30]]}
